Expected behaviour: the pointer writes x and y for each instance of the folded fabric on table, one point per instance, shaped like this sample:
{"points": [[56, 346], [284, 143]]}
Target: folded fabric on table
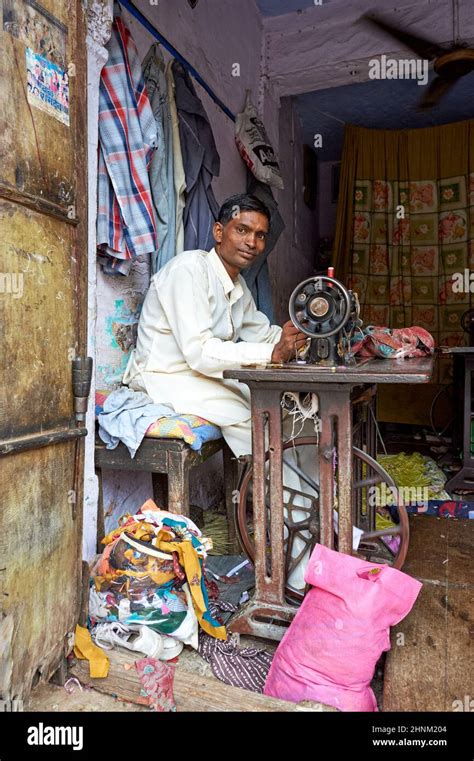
{"points": [[192, 429]]}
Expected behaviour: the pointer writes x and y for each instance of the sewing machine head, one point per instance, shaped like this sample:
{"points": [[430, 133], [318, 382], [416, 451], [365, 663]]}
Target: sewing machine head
{"points": [[328, 313]]}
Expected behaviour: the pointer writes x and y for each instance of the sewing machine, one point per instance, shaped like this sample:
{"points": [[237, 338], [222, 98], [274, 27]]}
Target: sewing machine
{"points": [[329, 314], [344, 449]]}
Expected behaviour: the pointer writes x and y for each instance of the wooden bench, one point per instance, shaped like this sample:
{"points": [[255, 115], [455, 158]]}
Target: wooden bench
{"points": [[170, 462]]}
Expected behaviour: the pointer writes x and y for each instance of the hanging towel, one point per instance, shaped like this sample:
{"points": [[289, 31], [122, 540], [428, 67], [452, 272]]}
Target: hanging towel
{"points": [[127, 137], [201, 163], [161, 171]]}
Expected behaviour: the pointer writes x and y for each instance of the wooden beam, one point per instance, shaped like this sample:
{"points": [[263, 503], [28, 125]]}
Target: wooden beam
{"points": [[192, 691]]}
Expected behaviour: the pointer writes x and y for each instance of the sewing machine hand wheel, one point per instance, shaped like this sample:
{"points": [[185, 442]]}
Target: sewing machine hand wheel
{"points": [[320, 306], [387, 545]]}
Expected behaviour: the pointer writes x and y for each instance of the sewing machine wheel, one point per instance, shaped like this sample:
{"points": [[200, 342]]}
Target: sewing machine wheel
{"points": [[320, 306], [366, 473]]}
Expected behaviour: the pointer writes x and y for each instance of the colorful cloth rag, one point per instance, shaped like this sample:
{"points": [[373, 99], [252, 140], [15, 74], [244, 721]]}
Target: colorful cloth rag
{"points": [[377, 341], [157, 678], [127, 137], [444, 508]]}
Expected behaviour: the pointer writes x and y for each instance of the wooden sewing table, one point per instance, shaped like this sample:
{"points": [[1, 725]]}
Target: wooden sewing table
{"points": [[267, 614]]}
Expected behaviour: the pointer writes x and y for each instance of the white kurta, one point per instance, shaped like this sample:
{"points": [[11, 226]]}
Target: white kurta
{"points": [[197, 322]]}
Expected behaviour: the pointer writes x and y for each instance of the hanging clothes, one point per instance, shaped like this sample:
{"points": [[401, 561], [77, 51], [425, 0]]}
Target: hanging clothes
{"points": [[127, 137], [257, 276], [161, 170], [201, 163], [179, 175]]}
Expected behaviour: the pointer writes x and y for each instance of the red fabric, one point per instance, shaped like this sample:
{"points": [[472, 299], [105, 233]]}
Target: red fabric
{"points": [[379, 341]]}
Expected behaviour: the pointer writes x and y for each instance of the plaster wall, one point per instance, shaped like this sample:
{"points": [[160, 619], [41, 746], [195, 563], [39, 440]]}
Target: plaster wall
{"points": [[329, 45]]}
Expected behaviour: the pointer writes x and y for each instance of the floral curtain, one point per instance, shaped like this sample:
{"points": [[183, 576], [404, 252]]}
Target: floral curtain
{"points": [[405, 228]]}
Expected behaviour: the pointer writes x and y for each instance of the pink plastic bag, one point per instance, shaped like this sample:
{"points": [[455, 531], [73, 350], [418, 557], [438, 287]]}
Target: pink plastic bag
{"points": [[330, 650]]}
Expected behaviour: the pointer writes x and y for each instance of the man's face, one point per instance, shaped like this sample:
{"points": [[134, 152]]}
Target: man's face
{"points": [[241, 240]]}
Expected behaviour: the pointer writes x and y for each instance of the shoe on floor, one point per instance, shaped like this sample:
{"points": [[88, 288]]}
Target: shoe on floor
{"points": [[139, 639]]}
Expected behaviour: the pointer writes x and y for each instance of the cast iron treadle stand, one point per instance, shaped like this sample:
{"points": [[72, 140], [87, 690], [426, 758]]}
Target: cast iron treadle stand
{"points": [[333, 387]]}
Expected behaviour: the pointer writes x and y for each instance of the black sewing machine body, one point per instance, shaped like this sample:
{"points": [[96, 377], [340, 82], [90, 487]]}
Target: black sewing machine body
{"points": [[328, 313]]}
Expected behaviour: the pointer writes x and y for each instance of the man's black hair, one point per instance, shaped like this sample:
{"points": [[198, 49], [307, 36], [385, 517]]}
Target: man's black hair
{"points": [[241, 202]]}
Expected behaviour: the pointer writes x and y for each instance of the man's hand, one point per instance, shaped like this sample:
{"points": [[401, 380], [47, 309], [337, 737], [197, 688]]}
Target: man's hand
{"points": [[291, 340]]}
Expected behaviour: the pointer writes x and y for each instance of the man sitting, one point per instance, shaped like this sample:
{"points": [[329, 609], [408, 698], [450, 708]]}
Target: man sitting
{"points": [[199, 319]]}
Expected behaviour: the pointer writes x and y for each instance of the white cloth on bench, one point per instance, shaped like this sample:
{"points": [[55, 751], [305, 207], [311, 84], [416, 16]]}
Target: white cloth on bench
{"points": [[126, 417]]}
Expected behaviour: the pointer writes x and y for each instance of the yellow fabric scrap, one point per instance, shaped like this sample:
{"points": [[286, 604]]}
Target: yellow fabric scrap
{"points": [[85, 649], [190, 561]]}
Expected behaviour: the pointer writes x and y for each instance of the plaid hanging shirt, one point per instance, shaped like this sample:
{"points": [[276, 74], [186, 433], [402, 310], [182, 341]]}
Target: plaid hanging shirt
{"points": [[127, 137]]}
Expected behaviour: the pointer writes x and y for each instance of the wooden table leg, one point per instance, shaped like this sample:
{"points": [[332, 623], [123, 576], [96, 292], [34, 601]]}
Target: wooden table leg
{"points": [[178, 483], [230, 484]]}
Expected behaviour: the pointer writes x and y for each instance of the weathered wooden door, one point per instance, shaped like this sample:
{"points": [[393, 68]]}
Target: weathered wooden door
{"points": [[43, 259]]}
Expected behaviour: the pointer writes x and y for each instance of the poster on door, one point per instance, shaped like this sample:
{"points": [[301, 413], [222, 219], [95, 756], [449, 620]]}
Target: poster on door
{"points": [[47, 86], [36, 28]]}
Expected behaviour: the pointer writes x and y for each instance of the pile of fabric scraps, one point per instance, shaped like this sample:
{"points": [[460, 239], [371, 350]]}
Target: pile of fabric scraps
{"points": [[150, 574], [377, 341], [418, 480], [417, 475]]}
